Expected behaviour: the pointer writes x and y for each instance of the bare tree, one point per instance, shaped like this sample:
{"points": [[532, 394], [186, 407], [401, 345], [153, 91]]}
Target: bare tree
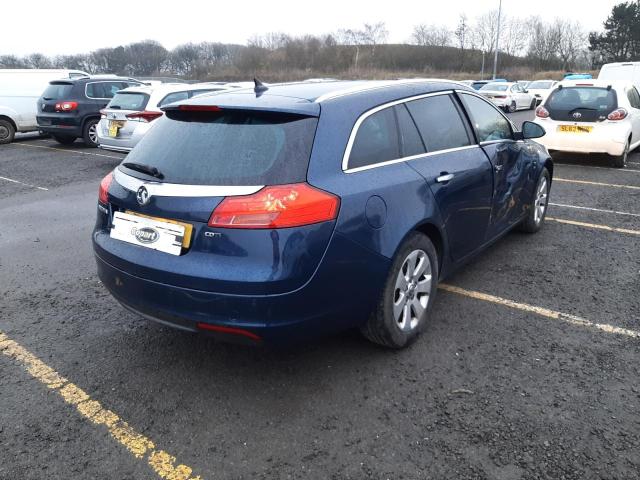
{"points": [[571, 42], [431, 35], [543, 42], [38, 60], [513, 39], [462, 37], [484, 31]]}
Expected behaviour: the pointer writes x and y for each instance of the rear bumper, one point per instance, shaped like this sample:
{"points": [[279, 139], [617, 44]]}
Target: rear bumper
{"points": [[126, 139], [60, 124], [332, 300], [605, 138]]}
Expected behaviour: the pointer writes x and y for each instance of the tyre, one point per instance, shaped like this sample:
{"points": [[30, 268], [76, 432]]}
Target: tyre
{"points": [[534, 104], [7, 131], [538, 207], [408, 295], [64, 139], [621, 160], [90, 132], [512, 108]]}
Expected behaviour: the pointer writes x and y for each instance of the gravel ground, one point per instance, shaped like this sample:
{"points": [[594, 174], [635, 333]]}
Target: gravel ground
{"points": [[488, 392]]}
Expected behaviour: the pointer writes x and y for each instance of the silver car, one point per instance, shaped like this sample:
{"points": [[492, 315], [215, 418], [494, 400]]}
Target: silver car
{"points": [[131, 112]]}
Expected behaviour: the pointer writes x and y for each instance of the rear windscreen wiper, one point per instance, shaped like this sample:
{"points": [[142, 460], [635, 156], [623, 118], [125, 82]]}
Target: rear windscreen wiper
{"points": [[142, 168]]}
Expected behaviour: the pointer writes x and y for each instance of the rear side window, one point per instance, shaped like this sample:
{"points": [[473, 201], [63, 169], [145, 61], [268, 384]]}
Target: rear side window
{"points": [[228, 147], [376, 140], [488, 122], [173, 97], [439, 123], [129, 101], [104, 89], [634, 98], [602, 100], [57, 91]]}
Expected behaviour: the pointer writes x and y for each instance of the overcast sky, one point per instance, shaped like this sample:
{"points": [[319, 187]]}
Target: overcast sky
{"points": [[75, 26]]}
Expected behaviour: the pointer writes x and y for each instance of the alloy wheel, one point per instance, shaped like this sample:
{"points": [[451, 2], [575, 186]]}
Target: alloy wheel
{"points": [[93, 133], [4, 132], [541, 200], [412, 290]]}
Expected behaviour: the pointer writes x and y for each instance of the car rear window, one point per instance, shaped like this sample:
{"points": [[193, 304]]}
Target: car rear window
{"points": [[539, 85], [602, 100], [129, 101], [231, 147], [496, 87], [56, 91]]}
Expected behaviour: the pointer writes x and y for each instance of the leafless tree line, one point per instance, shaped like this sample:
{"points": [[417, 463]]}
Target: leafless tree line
{"points": [[561, 44], [530, 43]]}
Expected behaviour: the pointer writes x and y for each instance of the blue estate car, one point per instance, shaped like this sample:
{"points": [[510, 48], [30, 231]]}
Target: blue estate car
{"points": [[282, 213]]}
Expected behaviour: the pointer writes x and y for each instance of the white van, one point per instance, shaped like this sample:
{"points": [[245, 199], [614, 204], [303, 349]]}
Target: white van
{"points": [[621, 72], [19, 93]]}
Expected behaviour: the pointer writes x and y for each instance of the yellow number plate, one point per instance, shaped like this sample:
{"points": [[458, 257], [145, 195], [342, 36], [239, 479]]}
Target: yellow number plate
{"points": [[574, 129], [114, 127], [188, 228]]}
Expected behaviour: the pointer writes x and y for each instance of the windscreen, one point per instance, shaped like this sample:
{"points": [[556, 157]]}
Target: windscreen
{"points": [[57, 91], [129, 101], [495, 87], [230, 147], [539, 85]]}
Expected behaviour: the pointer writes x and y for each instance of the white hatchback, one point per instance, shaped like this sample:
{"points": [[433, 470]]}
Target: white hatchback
{"points": [[592, 116], [541, 89], [128, 116]]}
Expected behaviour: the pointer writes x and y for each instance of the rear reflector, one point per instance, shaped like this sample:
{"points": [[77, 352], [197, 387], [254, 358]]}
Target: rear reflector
{"points": [[145, 116], [542, 112], [66, 106], [199, 108], [229, 330], [104, 188], [278, 206], [618, 114]]}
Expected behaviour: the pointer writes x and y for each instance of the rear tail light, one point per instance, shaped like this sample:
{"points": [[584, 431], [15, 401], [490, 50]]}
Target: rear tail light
{"points": [[104, 188], [66, 106], [542, 112], [145, 116], [279, 206], [618, 114]]}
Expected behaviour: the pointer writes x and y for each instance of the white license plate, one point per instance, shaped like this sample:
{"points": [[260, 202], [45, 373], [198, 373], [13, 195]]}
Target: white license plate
{"points": [[148, 232]]}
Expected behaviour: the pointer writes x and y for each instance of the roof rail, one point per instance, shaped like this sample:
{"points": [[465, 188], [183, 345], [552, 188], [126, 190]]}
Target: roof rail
{"points": [[378, 84]]}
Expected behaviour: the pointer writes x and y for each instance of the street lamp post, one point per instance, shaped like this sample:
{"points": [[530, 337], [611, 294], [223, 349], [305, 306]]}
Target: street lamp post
{"points": [[495, 56], [482, 69]]}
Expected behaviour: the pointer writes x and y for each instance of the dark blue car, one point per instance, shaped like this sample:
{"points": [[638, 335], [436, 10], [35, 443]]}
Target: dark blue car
{"points": [[283, 213]]}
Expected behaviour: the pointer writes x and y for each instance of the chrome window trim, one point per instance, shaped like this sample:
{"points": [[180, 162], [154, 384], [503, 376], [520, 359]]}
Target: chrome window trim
{"points": [[162, 189], [412, 157], [368, 113]]}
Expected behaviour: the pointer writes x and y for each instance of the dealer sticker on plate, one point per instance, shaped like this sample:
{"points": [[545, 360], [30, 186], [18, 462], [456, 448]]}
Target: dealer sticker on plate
{"points": [[148, 232]]}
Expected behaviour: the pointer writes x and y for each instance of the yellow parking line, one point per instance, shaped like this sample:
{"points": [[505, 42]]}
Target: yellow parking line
{"points": [[66, 150], [594, 225], [544, 312], [599, 184], [141, 447]]}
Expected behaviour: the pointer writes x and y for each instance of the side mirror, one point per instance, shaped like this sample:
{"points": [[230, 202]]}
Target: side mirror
{"points": [[532, 130], [526, 91]]}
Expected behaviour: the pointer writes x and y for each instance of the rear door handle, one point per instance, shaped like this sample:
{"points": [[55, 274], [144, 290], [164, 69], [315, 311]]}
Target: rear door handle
{"points": [[445, 178]]}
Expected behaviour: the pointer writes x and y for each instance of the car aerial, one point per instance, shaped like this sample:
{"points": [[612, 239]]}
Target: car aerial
{"points": [[541, 89], [508, 96], [131, 112], [288, 212], [19, 92], [592, 116], [70, 109]]}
